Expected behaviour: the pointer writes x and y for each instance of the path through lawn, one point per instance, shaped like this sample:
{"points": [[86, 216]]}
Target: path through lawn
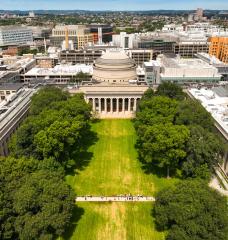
{"points": [[113, 170]]}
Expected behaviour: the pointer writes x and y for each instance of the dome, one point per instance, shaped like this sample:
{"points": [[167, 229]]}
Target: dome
{"points": [[114, 66]]}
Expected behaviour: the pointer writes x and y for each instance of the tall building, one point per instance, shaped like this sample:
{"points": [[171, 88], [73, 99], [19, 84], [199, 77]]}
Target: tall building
{"points": [[219, 48], [79, 34], [15, 35], [199, 13], [101, 33], [124, 40]]}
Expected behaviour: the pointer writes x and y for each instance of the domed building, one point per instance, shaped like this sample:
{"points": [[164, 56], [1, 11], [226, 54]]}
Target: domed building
{"points": [[114, 67]]}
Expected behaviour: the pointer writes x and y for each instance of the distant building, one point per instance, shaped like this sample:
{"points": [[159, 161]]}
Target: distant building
{"points": [[182, 70], [79, 56], [124, 40], [7, 90], [31, 14], [102, 33], [79, 34], [199, 14], [140, 55], [15, 35], [189, 44], [60, 74], [219, 48], [212, 60]]}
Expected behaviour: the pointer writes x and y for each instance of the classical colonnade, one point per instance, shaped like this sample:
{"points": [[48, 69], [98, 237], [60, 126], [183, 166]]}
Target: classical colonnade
{"points": [[114, 104]]}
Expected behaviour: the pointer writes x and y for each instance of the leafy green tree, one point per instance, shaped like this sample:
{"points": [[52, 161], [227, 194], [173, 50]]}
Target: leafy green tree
{"points": [[45, 97], [170, 90], [56, 130], [158, 109], [59, 140], [163, 145], [33, 195], [190, 112], [148, 94], [191, 210], [80, 77], [203, 150], [43, 205]]}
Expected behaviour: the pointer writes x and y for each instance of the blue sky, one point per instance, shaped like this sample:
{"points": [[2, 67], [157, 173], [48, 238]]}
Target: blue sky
{"points": [[112, 4]]}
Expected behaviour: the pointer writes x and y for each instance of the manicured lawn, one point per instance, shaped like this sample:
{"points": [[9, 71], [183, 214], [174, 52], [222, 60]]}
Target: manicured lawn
{"points": [[113, 168]]}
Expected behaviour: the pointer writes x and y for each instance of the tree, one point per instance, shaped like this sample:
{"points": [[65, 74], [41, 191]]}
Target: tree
{"points": [[59, 140], [148, 94], [158, 109], [170, 90], [56, 130], [45, 97], [190, 112], [35, 202], [163, 145], [191, 210], [80, 77], [43, 205], [204, 151]]}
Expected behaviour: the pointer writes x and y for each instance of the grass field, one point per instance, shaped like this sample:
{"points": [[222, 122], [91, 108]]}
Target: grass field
{"points": [[112, 169]]}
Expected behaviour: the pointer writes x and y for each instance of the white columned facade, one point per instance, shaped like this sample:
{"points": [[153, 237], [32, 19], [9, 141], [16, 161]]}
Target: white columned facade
{"points": [[114, 101], [135, 104], [94, 107], [105, 105], [99, 104]]}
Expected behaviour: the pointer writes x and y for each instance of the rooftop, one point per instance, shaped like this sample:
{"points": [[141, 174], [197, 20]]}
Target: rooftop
{"points": [[215, 104], [61, 70]]}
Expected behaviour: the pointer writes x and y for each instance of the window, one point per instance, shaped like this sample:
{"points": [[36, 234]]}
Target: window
{"points": [[7, 92]]}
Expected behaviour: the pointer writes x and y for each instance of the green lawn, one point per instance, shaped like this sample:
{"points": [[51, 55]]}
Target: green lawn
{"points": [[114, 169]]}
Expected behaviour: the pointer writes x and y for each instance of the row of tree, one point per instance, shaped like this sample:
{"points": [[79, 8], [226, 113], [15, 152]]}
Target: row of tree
{"points": [[35, 201], [176, 133]]}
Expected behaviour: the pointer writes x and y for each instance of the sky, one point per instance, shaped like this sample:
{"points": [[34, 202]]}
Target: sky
{"points": [[112, 4]]}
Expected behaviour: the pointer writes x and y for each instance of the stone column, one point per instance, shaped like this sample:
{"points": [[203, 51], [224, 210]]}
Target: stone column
{"points": [[123, 105], [135, 104], [99, 103], [105, 105], [111, 103], [117, 105], [129, 104], [94, 106]]}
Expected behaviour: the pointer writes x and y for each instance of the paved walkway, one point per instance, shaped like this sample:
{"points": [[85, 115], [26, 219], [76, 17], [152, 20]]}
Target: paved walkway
{"points": [[114, 199]]}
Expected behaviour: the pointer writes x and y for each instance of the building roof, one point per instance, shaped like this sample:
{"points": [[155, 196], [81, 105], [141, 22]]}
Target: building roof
{"points": [[11, 86], [61, 70], [14, 27]]}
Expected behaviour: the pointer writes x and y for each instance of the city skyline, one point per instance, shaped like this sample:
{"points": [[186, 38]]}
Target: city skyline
{"points": [[111, 5]]}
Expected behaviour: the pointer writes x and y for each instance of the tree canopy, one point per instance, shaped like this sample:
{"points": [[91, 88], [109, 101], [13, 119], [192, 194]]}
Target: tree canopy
{"points": [[204, 151], [170, 90], [35, 201], [191, 210], [190, 112], [154, 110], [164, 145], [159, 114], [56, 130]]}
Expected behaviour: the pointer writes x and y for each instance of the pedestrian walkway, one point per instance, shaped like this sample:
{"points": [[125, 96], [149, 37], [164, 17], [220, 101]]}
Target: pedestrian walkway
{"points": [[115, 199]]}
